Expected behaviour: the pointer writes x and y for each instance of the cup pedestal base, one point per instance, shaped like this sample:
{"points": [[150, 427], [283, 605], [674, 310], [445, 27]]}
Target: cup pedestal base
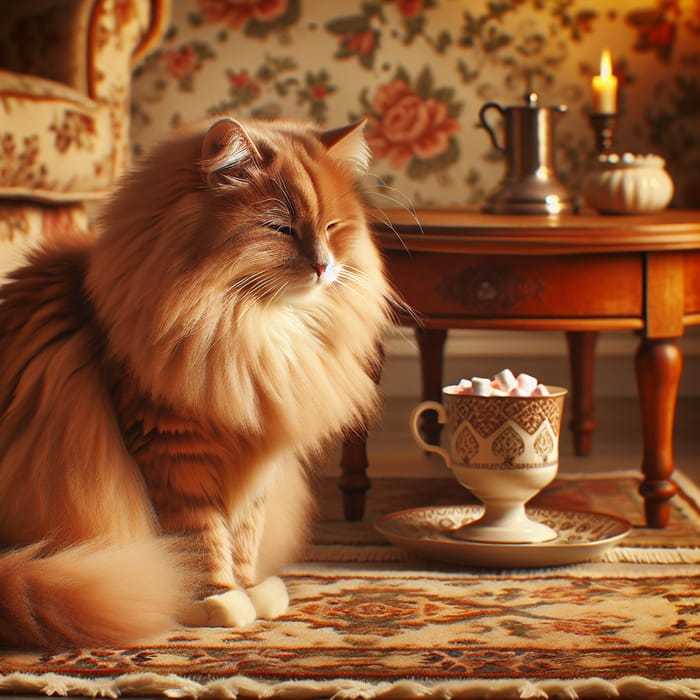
{"points": [[506, 526]]}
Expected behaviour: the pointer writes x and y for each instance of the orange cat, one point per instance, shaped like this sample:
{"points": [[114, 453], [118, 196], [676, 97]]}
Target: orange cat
{"points": [[162, 387]]}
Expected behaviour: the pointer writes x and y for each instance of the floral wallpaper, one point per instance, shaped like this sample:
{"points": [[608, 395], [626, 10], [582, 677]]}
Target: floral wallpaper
{"points": [[419, 70]]}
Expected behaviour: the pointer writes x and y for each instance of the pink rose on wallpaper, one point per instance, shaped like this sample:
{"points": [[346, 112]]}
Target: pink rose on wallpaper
{"points": [[182, 62], [235, 13], [407, 125], [242, 80], [655, 31], [661, 34], [410, 8], [360, 43]]}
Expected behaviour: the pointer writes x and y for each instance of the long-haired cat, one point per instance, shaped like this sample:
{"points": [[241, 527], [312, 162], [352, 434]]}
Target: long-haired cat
{"points": [[163, 385]]}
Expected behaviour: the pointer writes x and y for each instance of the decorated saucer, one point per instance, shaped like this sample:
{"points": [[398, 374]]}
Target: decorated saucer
{"points": [[581, 536]]}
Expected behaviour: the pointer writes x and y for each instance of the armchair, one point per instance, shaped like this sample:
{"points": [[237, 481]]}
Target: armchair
{"points": [[65, 71]]}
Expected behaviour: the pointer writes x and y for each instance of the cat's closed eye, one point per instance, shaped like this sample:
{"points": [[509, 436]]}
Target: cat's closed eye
{"points": [[284, 229]]}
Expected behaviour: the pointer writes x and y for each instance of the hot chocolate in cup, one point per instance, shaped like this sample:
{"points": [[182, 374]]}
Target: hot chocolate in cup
{"points": [[505, 450]]}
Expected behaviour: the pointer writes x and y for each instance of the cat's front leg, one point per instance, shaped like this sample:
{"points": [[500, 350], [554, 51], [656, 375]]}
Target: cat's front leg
{"points": [[228, 609], [227, 551], [224, 603], [236, 608], [270, 598]]}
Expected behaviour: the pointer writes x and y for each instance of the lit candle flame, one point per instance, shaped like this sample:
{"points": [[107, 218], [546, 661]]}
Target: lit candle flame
{"points": [[605, 64], [605, 87]]}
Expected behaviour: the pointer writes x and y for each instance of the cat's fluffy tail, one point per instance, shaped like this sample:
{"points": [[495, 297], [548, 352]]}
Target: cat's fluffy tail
{"points": [[90, 595]]}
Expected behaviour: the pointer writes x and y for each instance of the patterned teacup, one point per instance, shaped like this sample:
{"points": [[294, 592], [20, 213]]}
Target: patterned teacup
{"points": [[504, 449]]}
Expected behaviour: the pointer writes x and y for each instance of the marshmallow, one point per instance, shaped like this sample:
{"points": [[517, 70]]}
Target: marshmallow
{"points": [[481, 386], [465, 386], [503, 384], [526, 383], [505, 380]]}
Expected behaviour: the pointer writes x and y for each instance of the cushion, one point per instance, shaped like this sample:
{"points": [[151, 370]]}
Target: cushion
{"points": [[71, 160]]}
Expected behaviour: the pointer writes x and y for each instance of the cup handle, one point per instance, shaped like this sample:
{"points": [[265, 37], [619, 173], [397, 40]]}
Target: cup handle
{"points": [[415, 432]]}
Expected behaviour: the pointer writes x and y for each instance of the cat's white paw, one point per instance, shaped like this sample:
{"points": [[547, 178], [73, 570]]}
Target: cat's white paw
{"points": [[229, 609], [270, 598]]}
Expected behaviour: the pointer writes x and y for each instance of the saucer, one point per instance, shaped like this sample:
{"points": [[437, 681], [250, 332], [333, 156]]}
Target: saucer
{"points": [[581, 536]]}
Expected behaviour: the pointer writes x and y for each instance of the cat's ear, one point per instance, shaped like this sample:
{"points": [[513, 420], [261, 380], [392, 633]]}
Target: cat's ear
{"points": [[347, 144], [226, 146]]}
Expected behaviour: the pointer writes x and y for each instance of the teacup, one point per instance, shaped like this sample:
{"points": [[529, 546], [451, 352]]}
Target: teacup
{"points": [[505, 450]]}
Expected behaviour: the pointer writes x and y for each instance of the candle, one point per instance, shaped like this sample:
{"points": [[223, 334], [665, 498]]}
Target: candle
{"points": [[605, 87]]}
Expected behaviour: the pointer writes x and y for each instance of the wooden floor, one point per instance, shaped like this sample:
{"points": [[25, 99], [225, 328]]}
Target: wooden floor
{"points": [[617, 442]]}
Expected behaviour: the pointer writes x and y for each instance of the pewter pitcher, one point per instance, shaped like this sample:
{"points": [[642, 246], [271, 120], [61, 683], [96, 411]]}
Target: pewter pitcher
{"points": [[530, 185]]}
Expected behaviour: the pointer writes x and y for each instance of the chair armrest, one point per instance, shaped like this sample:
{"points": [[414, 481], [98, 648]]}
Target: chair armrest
{"points": [[46, 39], [84, 44], [88, 47]]}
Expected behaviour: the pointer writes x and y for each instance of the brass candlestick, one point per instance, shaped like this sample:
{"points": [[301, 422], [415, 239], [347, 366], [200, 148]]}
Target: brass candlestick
{"points": [[604, 128]]}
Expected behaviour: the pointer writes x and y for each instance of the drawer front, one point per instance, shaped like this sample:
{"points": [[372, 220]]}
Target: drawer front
{"points": [[477, 286], [692, 283]]}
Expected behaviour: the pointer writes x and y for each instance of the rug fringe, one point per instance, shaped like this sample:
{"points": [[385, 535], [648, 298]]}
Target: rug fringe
{"points": [[385, 553], [351, 553], [652, 555], [688, 488], [242, 688]]}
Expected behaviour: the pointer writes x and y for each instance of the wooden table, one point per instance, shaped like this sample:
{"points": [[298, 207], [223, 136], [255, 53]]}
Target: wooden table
{"points": [[580, 274]]}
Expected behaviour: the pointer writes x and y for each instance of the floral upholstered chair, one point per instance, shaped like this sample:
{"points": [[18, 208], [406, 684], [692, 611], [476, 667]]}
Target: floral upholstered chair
{"points": [[65, 72]]}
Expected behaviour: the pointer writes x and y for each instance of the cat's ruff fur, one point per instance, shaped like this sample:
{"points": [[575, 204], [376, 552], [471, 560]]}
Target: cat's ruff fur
{"points": [[163, 385]]}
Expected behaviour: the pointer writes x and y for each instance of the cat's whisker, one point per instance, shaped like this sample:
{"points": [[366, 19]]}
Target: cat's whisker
{"points": [[348, 275], [391, 227], [355, 273], [403, 333], [288, 200], [233, 292], [394, 299], [277, 213], [350, 192], [257, 293], [276, 294], [401, 200], [406, 206], [355, 289], [402, 307], [251, 285]]}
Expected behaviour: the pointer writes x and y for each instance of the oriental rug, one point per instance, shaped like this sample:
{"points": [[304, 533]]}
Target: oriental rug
{"points": [[368, 620]]}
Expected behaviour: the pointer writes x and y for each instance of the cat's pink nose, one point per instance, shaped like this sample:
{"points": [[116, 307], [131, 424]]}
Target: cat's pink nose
{"points": [[320, 268]]}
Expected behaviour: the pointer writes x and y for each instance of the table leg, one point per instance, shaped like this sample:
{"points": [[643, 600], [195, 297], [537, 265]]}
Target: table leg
{"points": [[431, 344], [581, 369], [658, 366], [354, 482]]}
